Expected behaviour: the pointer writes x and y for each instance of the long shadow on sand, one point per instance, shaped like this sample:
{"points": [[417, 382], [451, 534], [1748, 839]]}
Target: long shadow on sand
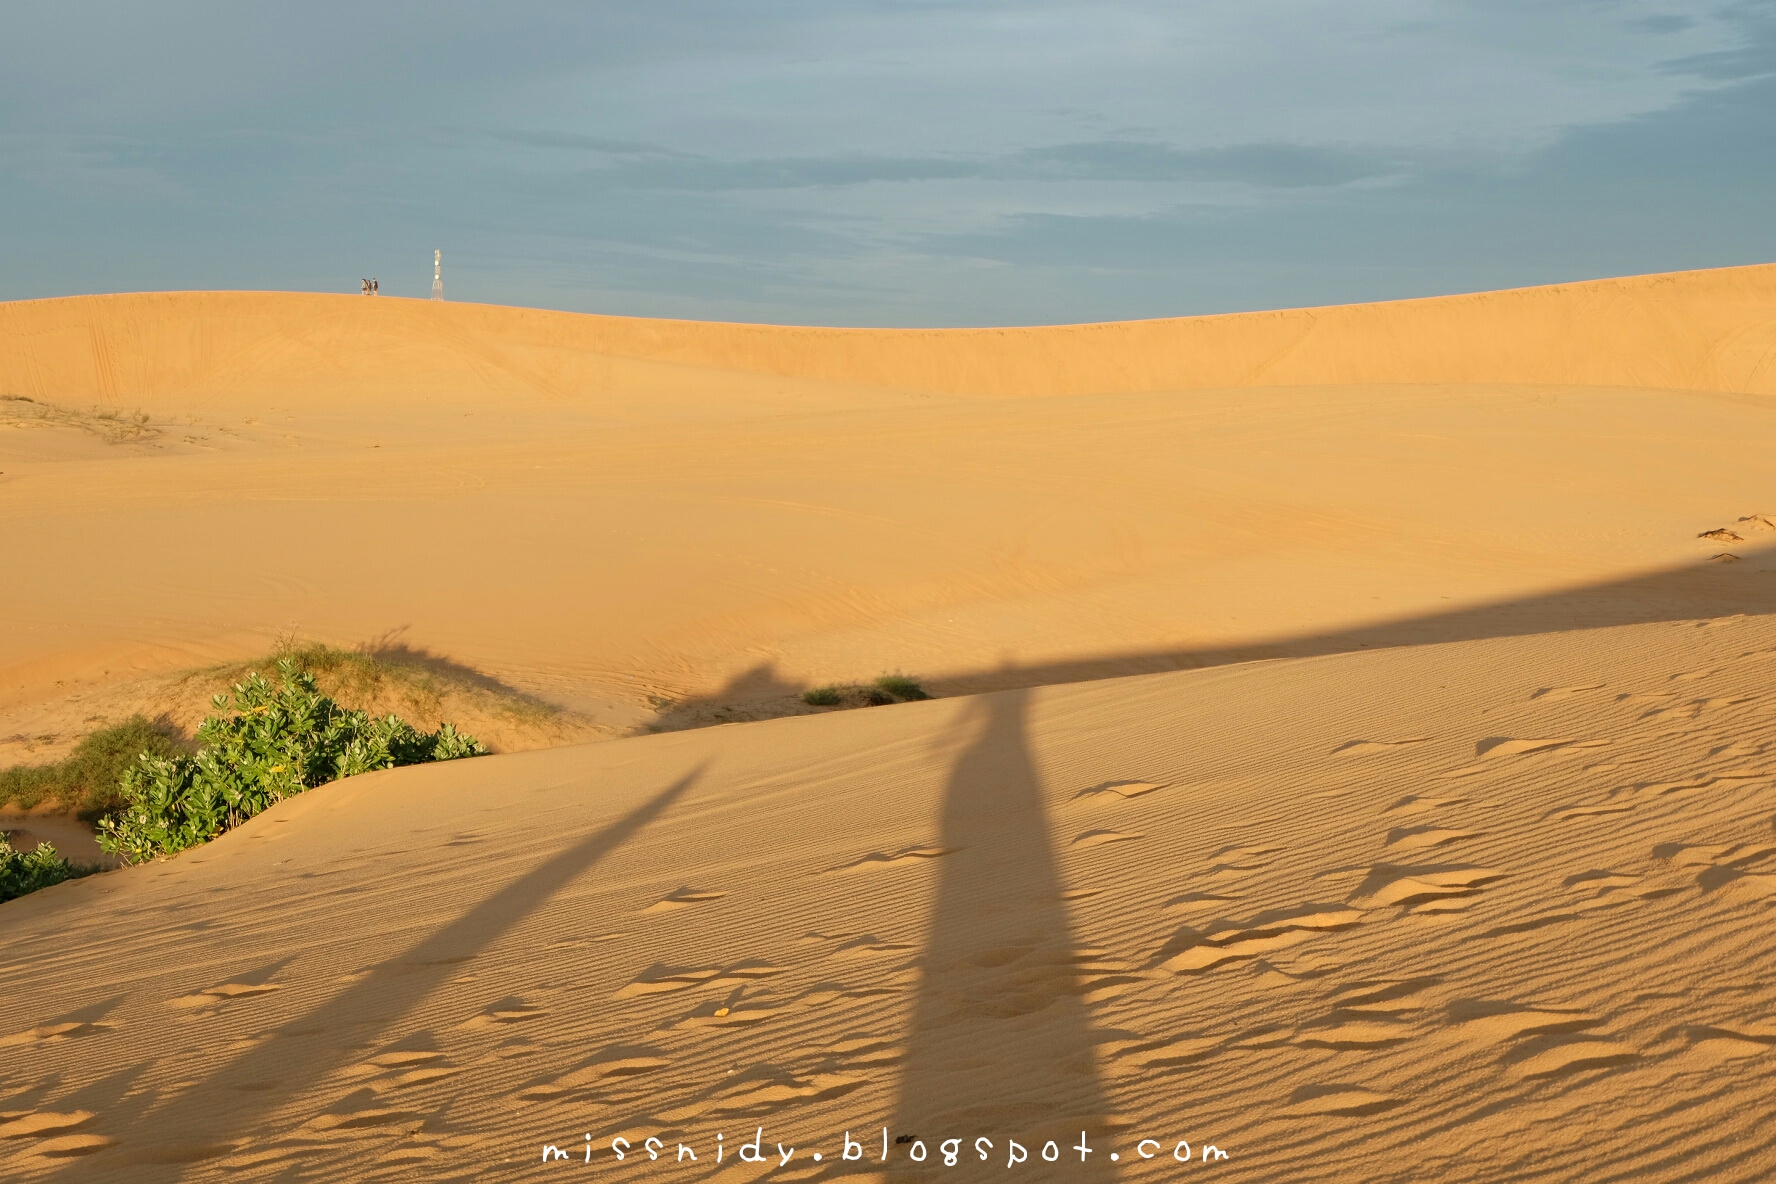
{"points": [[306, 1049], [1693, 591], [1001, 1044]]}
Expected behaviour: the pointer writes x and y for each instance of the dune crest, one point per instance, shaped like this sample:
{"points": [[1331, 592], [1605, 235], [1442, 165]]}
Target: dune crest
{"points": [[1696, 330]]}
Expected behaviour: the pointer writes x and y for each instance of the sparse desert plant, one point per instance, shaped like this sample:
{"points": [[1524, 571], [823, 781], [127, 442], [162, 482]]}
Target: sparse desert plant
{"points": [[89, 779], [890, 688], [273, 743], [25, 872], [903, 688]]}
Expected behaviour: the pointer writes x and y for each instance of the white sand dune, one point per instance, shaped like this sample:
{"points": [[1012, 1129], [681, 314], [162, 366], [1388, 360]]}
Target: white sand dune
{"points": [[1471, 881]]}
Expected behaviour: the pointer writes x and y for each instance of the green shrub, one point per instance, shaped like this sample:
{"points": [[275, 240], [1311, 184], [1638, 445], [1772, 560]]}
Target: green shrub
{"points": [[890, 688], [22, 873], [903, 688], [89, 779], [273, 744]]}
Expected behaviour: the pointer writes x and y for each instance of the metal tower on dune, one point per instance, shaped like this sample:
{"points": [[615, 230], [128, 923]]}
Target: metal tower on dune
{"points": [[437, 275]]}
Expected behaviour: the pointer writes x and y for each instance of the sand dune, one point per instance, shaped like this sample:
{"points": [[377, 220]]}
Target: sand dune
{"points": [[1408, 961], [1705, 330], [1457, 864], [707, 515]]}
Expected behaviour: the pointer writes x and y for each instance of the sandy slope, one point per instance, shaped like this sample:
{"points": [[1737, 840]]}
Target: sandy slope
{"points": [[614, 512], [1483, 911], [1472, 882]]}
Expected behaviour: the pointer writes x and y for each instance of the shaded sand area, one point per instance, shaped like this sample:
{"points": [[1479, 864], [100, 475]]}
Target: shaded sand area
{"points": [[1477, 911], [1420, 822]]}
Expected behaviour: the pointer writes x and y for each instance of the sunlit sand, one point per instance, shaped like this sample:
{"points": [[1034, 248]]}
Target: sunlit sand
{"points": [[1355, 745]]}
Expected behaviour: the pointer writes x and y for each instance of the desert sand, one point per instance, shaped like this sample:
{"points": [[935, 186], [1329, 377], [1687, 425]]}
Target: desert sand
{"points": [[1356, 748]]}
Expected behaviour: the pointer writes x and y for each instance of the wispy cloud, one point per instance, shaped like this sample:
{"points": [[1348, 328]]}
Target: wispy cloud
{"points": [[888, 161]]}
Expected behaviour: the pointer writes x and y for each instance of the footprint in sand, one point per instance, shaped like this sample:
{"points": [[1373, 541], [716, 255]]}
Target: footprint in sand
{"points": [[413, 1062], [358, 1115], [1352, 1032], [1418, 804], [508, 1011], [680, 898], [1499, 1023], [868, 945], [1191, 951], [49, 1033], [1345, 1101], [1186, 1049], [1422, 889], [1604, 889], [1242, 859], [36, 1124], [1722, 534], [1497, 746], [1118, 790], [1562, 1056], [1595, 810], [1097, 838], [1566, 692], [1538, 1041], [905, 857], [1385, 997], [660, 979], [1733, 855], [214, 998], [732, 1012], [1368, 747], [57, 1135], [1195, 901], [1720, 1043], [763, 1090], [1304, 968], [616, 1062], [855, 1053]]}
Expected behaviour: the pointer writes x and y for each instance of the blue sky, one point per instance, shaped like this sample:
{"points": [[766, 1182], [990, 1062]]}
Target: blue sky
{"points": [[887, 162]]}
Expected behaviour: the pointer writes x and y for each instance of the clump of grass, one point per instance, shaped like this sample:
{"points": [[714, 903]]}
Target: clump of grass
{"points": [[903, 688], [22, 873], [890, 688], [88, 779], [364, 676]]}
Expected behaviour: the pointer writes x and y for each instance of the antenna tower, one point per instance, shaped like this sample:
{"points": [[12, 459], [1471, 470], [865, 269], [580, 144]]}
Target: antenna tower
{"points": [[437, 275]]}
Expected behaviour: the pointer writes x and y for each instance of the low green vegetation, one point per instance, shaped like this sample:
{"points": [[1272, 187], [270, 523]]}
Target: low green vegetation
{"points": [[409, 680], [88, 780], [903, 688], [890, 688], [23, 872], [272, 743]]}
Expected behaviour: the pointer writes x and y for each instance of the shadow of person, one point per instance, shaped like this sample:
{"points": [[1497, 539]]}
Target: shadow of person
{"points": [[219, 1113], [1001, 1042], [757, 692]]}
